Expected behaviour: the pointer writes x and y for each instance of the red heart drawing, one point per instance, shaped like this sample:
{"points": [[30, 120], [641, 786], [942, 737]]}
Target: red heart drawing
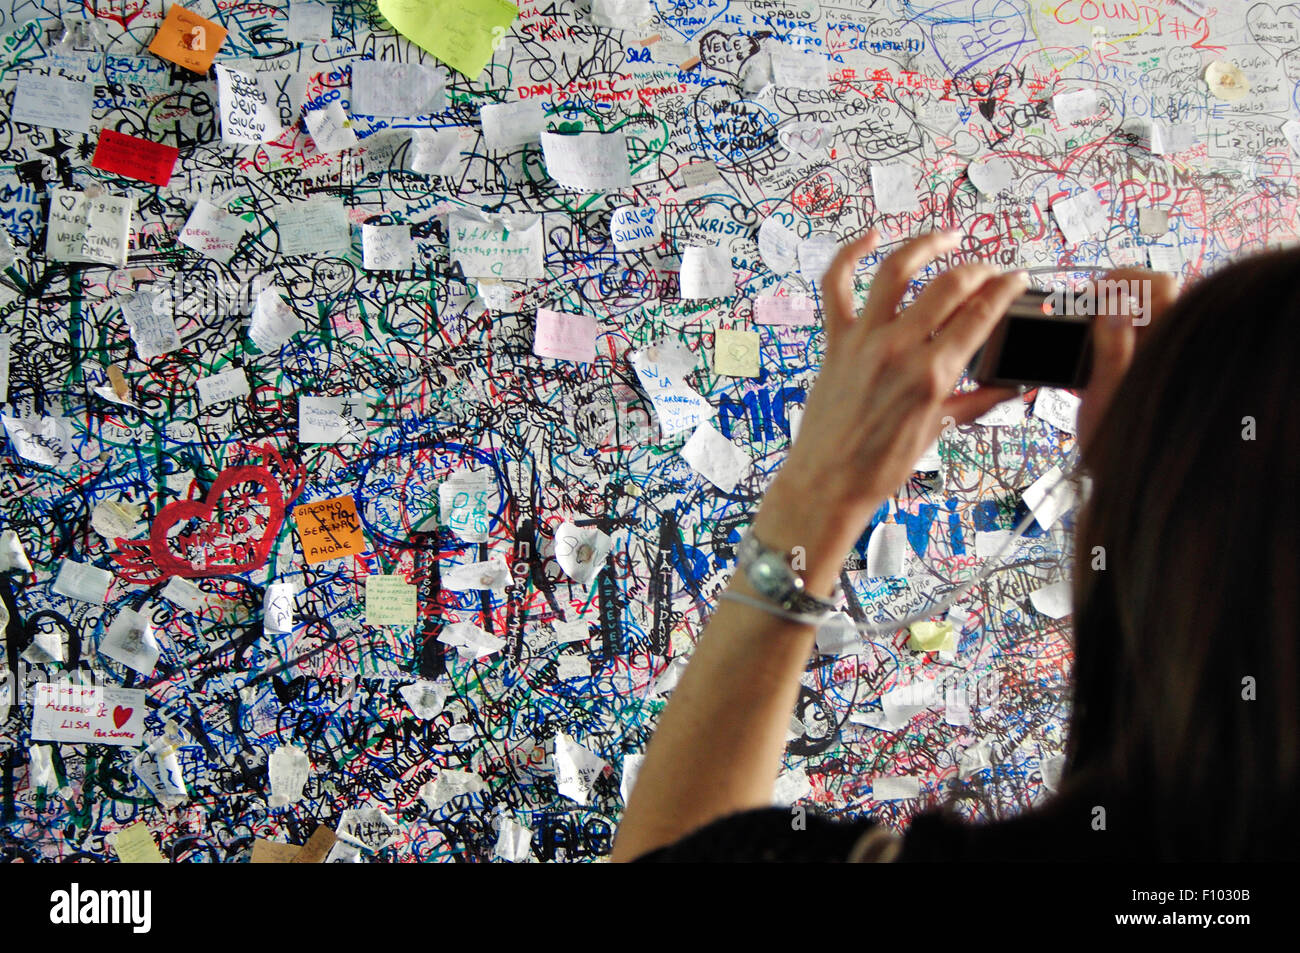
{"points": [[121, 716], [238, 541], [129, 12]]}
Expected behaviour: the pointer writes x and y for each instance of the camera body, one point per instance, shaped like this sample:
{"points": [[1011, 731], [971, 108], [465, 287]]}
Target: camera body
{"points": [[1040, 342]]}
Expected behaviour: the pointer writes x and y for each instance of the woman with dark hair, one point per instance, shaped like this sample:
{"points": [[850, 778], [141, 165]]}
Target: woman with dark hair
{"points": [[1185, 710]]}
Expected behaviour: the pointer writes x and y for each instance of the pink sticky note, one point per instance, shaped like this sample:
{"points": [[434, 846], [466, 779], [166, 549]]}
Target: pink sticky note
{"points": [[568, 337], [786, 309]]}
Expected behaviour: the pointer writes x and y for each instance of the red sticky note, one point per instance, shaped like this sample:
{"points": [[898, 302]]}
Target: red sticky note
{"points": [[135, 158]]}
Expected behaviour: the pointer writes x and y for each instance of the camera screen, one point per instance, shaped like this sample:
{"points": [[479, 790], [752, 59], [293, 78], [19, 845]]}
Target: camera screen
{"points": [[1036, 350]]}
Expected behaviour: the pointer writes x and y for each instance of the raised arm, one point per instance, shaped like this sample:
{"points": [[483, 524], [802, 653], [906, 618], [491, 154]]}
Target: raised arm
{"points": [[881, 397]]}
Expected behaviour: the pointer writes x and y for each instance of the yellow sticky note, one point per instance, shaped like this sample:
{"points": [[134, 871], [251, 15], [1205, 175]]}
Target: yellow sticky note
{"points": [[735, 353], [390, 600], [134, 845], [932, 637], [462, 33], [187, 39]]}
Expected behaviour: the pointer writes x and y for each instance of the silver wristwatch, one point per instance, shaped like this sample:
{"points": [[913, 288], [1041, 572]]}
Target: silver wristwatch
{"points": [[769, 572]]}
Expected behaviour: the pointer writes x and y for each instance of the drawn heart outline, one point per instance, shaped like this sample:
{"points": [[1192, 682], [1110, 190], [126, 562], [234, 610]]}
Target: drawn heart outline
{"points": [[121, 716], [183, 510]]}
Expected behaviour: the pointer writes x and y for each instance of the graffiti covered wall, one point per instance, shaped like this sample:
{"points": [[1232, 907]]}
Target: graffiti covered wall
{"points": [[346, 388]]}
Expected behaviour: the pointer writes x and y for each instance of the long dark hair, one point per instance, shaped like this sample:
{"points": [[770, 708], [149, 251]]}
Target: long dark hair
{"points": [[1186, 681]]}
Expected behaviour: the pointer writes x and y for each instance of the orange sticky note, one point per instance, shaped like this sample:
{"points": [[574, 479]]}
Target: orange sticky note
{"points": [[329, 529], [188, 40]]}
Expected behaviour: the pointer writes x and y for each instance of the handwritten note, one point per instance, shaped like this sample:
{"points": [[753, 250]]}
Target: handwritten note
{"points": [[187, 39], [461, 33], [390, 600], [94, 714], [277, 608], [213, 231], [273, 321], [135, 158], [83, 582], [325, 419], [317, 227], [387, 247], [130, 641], [54, 101], [495, 249], [792, 309], [1076, 106], [662, 368], [153, 330], [1080, 217], [464, 501], [635, 227], [248, 113], [88, 228], [134, 844], [329, 529], [330, 128], [217, 388]]}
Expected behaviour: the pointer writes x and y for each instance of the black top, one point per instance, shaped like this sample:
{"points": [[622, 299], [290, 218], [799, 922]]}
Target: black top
{"points": [[1062, 830]]}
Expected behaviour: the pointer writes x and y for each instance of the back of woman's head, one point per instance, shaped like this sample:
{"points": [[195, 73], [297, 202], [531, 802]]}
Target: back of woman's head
{"points": [[1186, 681]]}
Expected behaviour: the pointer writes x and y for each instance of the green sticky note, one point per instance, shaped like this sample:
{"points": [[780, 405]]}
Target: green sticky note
{"points": [[461, 33], [390, 600]]}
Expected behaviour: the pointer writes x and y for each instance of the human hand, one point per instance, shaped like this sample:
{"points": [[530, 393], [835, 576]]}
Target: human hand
{"points": [[1117, 330], [885, 390]]}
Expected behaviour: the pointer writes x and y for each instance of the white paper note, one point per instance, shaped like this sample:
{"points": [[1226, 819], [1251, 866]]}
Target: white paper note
{"points": [[88, 228], [213, 232], [635, 227], [581, 551], [1076, 106], [893, 187], [588, 161], [287, 771], [1080, 217], [1059, 408], [216, 388], [387, 247], [716, 458], [382, 88], [277, 608], [248, 111], [330, 128], [1049, 498], [706, 272], [496, 249], [94, 714], [1055, 601], [83, 581], [54, 101], [487, 574], [662, 368], [507, 125], [470, 641], [576, 768]]}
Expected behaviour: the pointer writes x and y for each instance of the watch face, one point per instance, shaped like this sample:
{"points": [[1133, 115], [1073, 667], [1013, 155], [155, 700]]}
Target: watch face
{"points": [[767, 574]]}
